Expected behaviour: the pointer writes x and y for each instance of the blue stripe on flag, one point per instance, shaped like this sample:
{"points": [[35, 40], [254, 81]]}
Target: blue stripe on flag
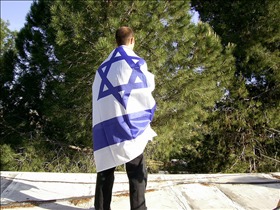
{"points": [[122, 128]]}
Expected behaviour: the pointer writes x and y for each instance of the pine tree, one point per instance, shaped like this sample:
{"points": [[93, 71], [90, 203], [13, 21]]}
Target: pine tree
{"points": [[7, 60], [33, 74], [7, 64], [59, 51], [7, 38], [33, 131], [30, 92], [191, 67], [251, 126]]}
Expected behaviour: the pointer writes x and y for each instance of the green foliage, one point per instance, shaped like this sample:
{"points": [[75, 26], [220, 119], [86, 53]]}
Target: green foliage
{"points": [[7, 61], [179, 53], [247, 124], [29, 90], [217, 83], [8, 157], [7, 38], [39, 156]]}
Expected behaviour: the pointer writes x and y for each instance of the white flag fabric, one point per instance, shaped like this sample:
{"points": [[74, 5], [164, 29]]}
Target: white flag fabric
{"points": [[123, 108]]}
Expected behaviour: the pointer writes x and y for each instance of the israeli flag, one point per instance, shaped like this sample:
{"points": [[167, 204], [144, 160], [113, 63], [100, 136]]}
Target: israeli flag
{"points": [[123, 108]]}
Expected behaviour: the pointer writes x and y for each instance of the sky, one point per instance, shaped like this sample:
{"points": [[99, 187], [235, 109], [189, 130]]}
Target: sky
{"points": [[15, 12]]}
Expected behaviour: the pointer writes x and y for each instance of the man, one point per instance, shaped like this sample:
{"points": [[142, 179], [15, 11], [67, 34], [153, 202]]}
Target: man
{"points": [[123, 108]]}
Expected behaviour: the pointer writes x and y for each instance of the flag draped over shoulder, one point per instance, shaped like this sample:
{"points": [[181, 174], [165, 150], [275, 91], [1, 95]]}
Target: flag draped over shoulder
{"points": [[123, 108]]}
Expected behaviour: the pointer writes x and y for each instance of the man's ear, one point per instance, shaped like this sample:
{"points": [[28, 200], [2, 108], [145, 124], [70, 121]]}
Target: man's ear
{"points": [[132, 40]]}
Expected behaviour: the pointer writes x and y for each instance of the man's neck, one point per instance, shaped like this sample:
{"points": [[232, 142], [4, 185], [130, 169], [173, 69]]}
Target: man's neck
{"points": [[128, 46]]}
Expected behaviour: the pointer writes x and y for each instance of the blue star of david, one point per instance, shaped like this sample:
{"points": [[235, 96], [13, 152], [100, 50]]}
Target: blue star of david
{"points": [[106, 87]]}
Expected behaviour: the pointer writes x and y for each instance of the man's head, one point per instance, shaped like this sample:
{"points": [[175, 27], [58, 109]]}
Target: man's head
{"points": [[125, 36]]}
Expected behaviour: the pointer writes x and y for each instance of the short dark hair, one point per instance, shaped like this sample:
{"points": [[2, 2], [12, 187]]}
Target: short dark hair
{"points": [[123, 34]]}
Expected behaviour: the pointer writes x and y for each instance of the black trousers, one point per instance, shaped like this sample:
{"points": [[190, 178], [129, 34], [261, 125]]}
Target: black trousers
{"points": [[137, 176]]}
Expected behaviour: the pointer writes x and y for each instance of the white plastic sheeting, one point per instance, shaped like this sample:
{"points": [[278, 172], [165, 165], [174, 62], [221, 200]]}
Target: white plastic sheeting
{"points": [[70, 191]]}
